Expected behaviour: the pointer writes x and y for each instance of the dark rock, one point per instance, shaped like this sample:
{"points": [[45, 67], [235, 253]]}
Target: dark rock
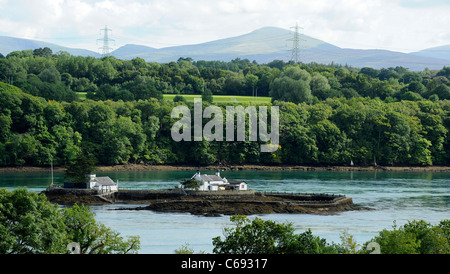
{"points": [[212, 204]]}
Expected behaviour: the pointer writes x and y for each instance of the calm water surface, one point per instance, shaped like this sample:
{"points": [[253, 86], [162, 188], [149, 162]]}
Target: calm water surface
{"points": [[393, 196]]}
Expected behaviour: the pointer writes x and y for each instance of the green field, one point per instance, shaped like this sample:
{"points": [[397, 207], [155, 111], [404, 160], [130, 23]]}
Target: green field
{"points": [[82, 95], [216, 98], [223, 98]]}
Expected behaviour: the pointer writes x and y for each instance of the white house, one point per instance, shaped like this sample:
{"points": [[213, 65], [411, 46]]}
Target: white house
{"points": [[215, 182], [105, 184], [237, 185]]}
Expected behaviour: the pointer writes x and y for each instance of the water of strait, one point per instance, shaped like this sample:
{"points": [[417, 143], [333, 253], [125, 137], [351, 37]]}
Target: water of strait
{"points": [[393, 196]]}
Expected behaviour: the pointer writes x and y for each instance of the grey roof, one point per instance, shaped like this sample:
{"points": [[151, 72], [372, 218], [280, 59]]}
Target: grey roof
{"points": [[236, 182], [104, 181], [209, 178]]}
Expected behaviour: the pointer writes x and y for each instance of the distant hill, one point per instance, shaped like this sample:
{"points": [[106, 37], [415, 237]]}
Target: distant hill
{"points": [[10, 44], [263, 45], [267, 44], [131, 51], [442, 52], [376, 59]]}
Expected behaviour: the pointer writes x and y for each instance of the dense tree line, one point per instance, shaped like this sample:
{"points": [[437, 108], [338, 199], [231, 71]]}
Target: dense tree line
{"points": [[328, 114], [334, 131], [59, 76]]}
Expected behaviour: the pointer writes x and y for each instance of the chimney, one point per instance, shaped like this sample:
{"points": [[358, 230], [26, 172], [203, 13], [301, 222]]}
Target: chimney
{"points": [[218, 173]]}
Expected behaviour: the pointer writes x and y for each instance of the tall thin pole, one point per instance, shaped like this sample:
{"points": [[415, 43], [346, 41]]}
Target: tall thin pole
{"points": [[296, 44], [51, 163], [105, 49]]}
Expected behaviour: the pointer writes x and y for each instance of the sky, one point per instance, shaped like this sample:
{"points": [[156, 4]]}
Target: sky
{"points": [[397, 25]]}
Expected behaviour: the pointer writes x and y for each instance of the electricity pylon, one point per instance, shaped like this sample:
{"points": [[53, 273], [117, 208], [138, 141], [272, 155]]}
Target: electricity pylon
{"points": [[296, 44], [105, 49]]}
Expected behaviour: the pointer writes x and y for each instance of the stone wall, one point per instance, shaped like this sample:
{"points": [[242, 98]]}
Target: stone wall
{"points": [[135, 195], [227, 193], [74, 191], [305, 197]]}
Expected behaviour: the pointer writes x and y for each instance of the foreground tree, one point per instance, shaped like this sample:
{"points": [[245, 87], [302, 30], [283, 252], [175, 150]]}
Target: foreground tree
{"points": [[29, 224], [268, 237], [95, 238], [416, 237]]}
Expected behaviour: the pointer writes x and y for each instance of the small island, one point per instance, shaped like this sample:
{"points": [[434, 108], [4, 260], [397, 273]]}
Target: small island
{"points": [[206, 195]]}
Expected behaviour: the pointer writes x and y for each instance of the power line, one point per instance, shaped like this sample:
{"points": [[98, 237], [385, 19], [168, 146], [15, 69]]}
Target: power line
{"points": [[105, 49]]}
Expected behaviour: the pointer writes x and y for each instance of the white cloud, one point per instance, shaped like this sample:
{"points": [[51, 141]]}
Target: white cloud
{"points": [[81, 10], [387, 24]]}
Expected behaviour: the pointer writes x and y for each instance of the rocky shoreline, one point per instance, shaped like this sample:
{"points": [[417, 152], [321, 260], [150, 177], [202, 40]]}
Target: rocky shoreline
{"points": [[214, 208], [143, 167], [209, 203]]}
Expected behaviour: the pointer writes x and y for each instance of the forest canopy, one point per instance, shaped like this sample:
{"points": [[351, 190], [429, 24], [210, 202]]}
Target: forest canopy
{"points": [[329, 114]]}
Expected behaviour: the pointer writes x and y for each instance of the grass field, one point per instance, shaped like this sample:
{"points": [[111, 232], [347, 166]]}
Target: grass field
{"points": [[216, 98], [223, 98], [82, 95]]}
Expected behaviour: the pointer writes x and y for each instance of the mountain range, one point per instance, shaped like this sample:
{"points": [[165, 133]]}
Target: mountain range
{"points": [[263, 45], [10, 44]]}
